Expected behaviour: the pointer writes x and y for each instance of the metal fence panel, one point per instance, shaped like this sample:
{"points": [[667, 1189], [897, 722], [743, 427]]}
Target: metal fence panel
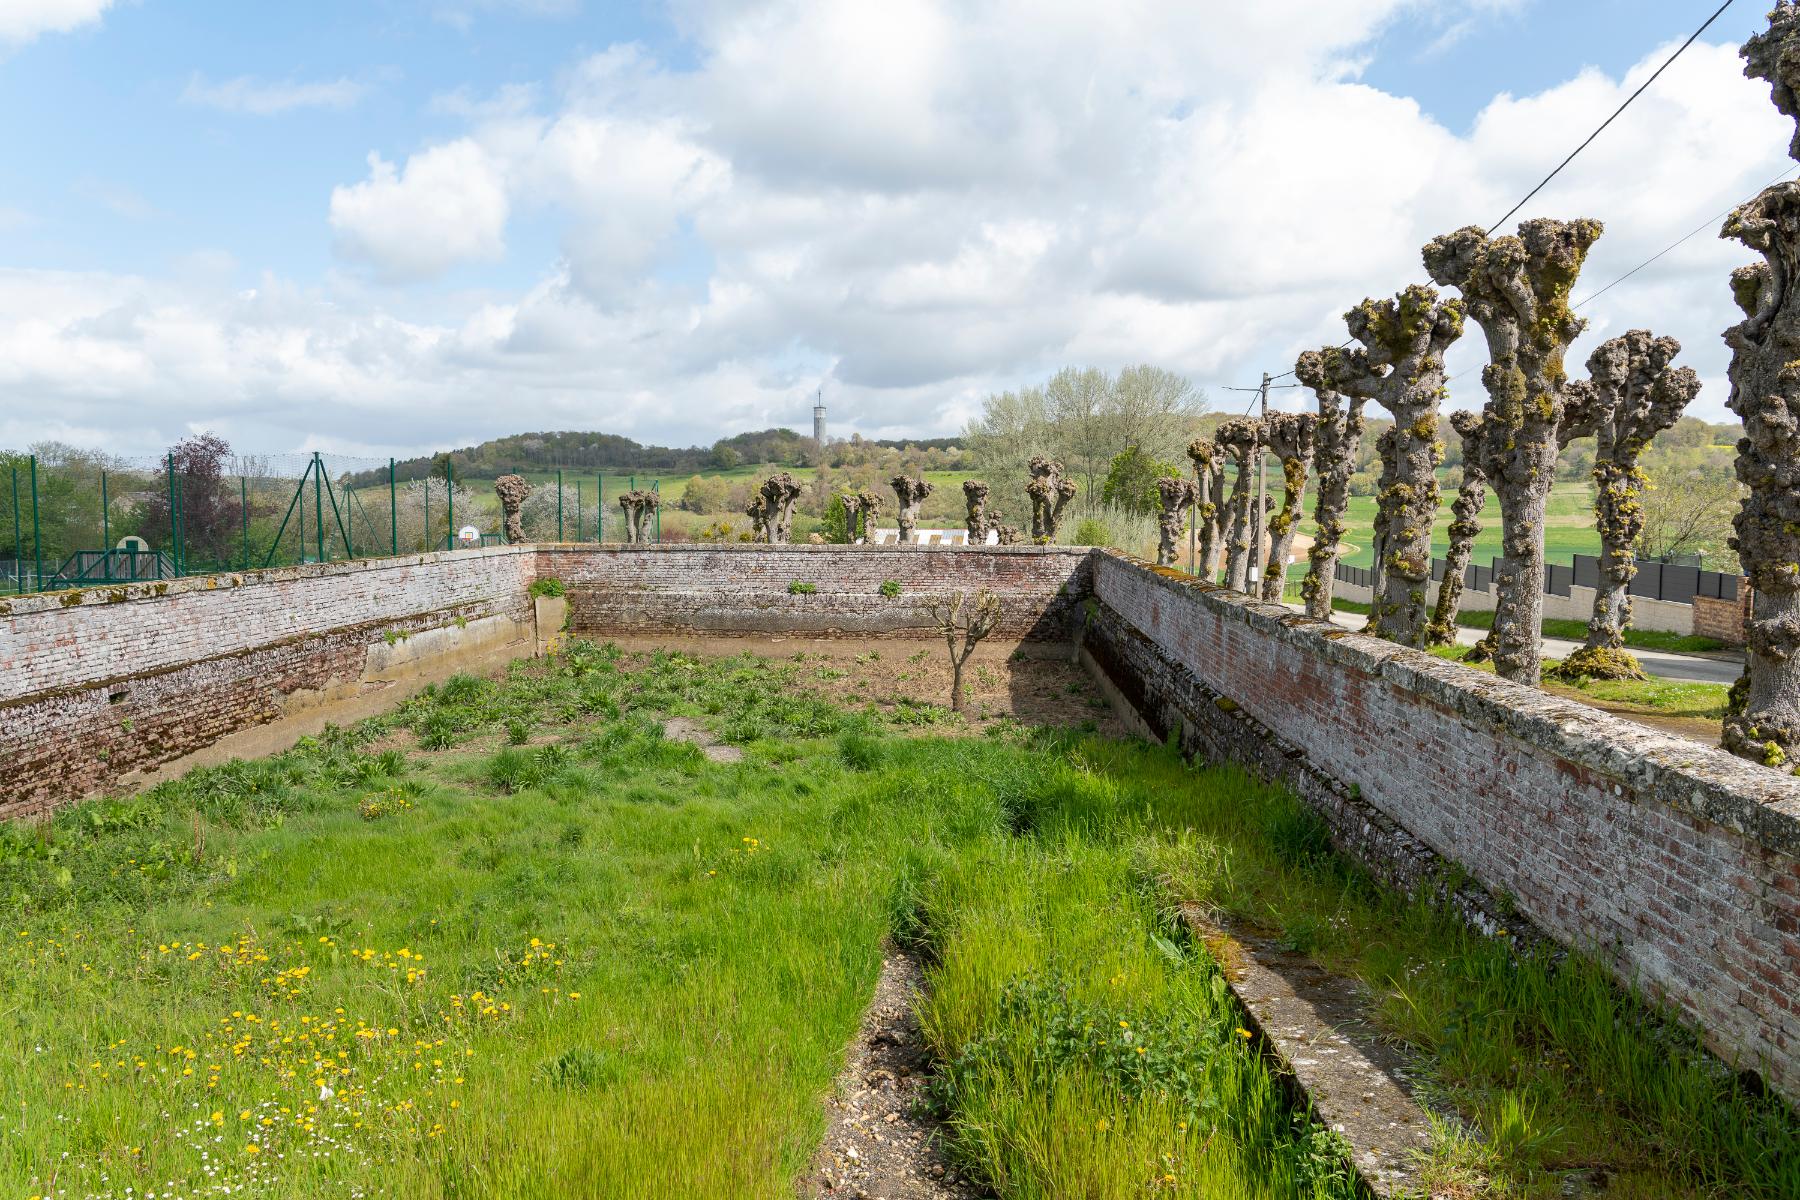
{"points": [[1587, 571]]}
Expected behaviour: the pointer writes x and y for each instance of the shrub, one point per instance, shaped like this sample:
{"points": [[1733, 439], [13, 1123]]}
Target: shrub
{"points": [[549, 585], [797, 588], [890, 588]]}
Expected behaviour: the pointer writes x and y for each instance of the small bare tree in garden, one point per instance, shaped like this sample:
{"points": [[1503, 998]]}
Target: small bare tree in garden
{"points": [[975, 494], [1291, 441], [956, 616], [1175, 498], [911, 494], [1517, 289], [1050, 493], [1631, 395], [1209, 490], [1240, 437], [1465, 527], [1343, 381], [512, 490]]}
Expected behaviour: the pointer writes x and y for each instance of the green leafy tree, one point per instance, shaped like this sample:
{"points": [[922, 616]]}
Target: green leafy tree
{"points": [[1131, 480]]}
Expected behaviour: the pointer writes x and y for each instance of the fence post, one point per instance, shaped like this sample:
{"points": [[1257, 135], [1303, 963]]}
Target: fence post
{"points": [[600, 508], [425, 538], [393, 511], [105, 530], [174, 532], [37, 539], [578, 510], [318, 505], [18, 540], [656, 486], [559, 529], [244, 515], [450, 501]]}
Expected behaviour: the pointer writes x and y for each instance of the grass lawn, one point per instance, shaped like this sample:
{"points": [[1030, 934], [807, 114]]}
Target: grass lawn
{"points": [[511, 941], [1556, 627], [1568, 526]]}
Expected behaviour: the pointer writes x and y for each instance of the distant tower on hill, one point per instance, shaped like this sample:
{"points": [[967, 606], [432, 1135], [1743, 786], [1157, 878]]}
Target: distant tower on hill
{"points": [[819, 418]]}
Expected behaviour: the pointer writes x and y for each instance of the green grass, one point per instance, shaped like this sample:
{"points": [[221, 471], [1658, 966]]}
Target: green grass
{"points": [[1568, 526], [550, 953], [1662, 697], [1556, 627]]}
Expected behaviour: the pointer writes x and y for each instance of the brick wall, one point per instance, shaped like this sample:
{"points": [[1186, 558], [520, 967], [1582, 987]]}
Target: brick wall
{"points": [[1723, 619], [743, 589], [97, 684], [1678, 865]]}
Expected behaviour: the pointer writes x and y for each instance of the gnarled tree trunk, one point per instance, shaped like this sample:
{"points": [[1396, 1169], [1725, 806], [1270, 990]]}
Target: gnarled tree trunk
{"points": [[1384, 454], [1334, 375], [1050, 493], [1291, 440], [1176, 497], [778, 492], [1517, 289], [1241, 437], [910, 493], [975, 494], [1209, 484], [1465, 527], [512, 490], [1407, 336]]}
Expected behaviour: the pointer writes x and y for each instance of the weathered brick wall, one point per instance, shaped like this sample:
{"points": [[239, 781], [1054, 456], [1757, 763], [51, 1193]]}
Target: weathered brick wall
{"points": [[1678, 865], [97, 684], [1723, 619], [743, 589]]}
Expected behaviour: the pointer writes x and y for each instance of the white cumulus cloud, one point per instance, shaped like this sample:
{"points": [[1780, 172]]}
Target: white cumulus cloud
{"points": [[448, 206], [23, 20]]}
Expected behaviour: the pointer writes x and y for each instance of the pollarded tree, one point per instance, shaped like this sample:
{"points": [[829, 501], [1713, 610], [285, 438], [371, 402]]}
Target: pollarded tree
{"points": [[1343, 381], [911, 493], [1209, 494], [779, 491], [1384, 454], [638, 504], [1517, 289], [975, 494], [1240, 437], [1050, 493], [1291, 440], [512, 490], [1765, 394], [757, 509], [1465, 527], [1176, 497], [1405, 339], [1631, 395]]}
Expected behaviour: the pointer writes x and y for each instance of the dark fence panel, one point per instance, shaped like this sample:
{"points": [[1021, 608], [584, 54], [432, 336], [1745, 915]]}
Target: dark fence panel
{"points": [[1558, 579]]}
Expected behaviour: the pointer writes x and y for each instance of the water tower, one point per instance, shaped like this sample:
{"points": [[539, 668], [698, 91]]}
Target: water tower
{"points": [[819, 418]]}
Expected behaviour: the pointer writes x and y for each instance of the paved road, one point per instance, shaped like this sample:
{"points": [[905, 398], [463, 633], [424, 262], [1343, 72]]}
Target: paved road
{"points": [[1686, 668]]}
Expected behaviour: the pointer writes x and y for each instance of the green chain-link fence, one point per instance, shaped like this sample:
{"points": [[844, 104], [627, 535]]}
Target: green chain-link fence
{"points": [[74, 519]]}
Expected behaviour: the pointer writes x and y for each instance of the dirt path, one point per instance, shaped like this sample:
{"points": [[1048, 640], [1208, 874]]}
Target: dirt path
{"points": [[882, 1144]]}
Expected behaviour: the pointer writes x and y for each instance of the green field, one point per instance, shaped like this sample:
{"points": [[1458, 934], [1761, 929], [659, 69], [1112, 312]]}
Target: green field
{"points": [[510, 941], [1568, 527]]}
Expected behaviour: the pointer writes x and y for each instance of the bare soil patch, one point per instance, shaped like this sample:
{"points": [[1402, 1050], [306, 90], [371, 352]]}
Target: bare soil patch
{"points": [[882, 1142]]}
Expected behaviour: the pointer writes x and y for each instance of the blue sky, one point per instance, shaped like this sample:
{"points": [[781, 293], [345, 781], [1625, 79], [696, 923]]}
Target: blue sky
{"points": [[676, 220]]}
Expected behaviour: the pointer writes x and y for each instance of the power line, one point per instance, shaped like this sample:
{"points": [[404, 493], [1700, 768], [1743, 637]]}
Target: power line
{"points": [[1692, 38], [1641, 89]]}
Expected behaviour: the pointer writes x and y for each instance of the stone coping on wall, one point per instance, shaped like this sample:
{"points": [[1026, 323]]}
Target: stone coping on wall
{"points": [[1760, 803], [102, 593]]}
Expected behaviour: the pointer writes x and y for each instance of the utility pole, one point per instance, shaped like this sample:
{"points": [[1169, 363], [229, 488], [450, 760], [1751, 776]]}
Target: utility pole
{"points": [[1258, 557]]}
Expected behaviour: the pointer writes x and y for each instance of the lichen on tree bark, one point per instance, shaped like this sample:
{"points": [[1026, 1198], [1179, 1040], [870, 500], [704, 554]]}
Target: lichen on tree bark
{"points": [[1465, 527], [1632, 393], [1050, 493], [1209, 492], [1343, 382], [1240, 437], [975, 494], [1291, 439], [1765, 395], [1384, 455], [911, 493], [1405, 339], [1176, 497], [1517, 289]]}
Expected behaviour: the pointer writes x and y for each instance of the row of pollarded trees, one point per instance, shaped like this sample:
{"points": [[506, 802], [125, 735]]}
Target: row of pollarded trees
{"points": [[1516, 289]]}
